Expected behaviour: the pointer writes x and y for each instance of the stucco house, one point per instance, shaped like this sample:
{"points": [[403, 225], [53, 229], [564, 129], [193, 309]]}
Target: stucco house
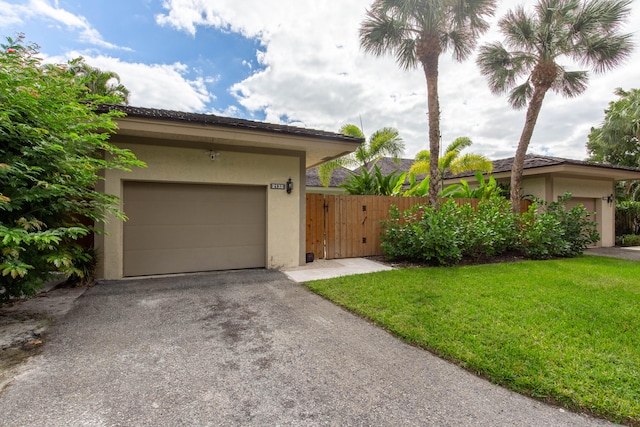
{"points": [[547, 178], [217, 193], [314, 185]]}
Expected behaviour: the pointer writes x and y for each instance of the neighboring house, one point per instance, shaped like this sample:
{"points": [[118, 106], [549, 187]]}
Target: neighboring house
{"points": [[338, 176], [217, 193], [387, 166], [547, 178]]}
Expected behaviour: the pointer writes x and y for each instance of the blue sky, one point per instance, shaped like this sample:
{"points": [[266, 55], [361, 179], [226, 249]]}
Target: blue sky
{"points": [[299, 62]]}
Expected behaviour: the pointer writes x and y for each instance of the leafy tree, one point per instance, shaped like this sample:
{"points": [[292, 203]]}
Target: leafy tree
{"points": [[382, 143], [452, 161], [617, 140], [52, 151], [586, 32], [376, 184], [486, 189], [97, 81], [416, 32]]}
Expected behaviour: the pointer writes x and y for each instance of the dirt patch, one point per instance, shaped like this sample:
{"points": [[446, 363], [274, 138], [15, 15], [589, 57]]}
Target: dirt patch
{"points": [[23, 325]]}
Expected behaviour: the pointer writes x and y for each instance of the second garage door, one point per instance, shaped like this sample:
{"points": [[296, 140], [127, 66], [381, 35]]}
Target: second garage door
{"points": [[176, 228]]}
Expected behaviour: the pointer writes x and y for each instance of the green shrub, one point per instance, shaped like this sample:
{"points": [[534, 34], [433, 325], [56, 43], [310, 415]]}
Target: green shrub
{"points": [[557, 231], [628, 240], [627, 218], [84, 261], [579, 231], [541, 235], [488, 230], [423, 234], [445, 236]]}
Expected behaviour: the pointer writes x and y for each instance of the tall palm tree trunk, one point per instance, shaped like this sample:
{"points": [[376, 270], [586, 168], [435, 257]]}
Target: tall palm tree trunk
{"points": [[533, 110], [430, 66]]}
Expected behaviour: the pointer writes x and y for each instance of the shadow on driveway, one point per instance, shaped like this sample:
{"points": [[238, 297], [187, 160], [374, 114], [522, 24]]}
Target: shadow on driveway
{"points": [[245, 348]]}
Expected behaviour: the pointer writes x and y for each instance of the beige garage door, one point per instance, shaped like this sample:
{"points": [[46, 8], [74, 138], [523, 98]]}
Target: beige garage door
{"points": [[177, 228], [590, 205]]}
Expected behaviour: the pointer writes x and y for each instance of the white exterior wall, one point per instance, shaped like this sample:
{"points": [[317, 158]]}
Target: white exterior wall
{"points": [[549, 188], [593, 189], [285, 212]]}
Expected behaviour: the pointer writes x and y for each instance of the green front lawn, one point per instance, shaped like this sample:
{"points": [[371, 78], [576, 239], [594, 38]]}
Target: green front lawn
{"points": [[566, 331]]}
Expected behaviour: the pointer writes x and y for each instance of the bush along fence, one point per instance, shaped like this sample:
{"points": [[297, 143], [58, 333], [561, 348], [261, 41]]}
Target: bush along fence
{"points": [[349, 226], [628, 223], [454, 232]]}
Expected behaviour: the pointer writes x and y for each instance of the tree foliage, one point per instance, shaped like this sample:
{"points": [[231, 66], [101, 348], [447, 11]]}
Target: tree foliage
{"points": [[528, 64], [453, 161], [374, 183], [98, 82], [417, 32], [52, 151], [617, 140], [382, 143]]}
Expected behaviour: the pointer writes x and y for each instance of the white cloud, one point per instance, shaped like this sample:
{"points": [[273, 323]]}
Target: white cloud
{"points": [[162, 86], [11, 14], [316, 74], [313, 73]]}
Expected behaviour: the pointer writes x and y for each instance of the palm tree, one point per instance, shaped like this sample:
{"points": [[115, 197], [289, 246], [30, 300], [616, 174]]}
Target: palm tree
{"points": [[384, 142], [97, 81], [452, 161], [416, 32], [585, 32]]}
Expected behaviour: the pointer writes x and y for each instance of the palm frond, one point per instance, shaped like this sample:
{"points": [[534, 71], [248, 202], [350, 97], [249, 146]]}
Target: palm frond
{"points": [[471, 162], [459, 144], [570, 83], [352, 130], [419, 167], [380, 33], [386, 142], [499, 66], [520, 95], [602, 53], [518, 28]]}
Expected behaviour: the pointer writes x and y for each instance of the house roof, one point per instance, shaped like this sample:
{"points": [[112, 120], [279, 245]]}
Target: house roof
{"points": [[389, 165], [338, 176], [211, 119], [534, 164], [178, 128]]}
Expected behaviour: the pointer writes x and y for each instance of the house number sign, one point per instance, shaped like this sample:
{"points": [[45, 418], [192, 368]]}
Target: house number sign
{"points": [[277, 186]]}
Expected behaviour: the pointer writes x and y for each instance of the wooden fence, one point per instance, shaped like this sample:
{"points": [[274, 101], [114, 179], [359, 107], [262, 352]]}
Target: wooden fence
{"points": [[347, 226]]}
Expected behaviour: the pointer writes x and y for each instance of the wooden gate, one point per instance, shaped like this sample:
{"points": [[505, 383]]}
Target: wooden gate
{"points": [[346, 226]]}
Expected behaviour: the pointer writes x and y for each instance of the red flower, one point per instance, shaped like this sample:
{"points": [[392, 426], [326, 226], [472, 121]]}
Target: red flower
{"points": [[11, 51]]}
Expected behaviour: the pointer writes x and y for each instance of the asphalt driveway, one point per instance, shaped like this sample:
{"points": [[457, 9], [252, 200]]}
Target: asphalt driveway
{"points": [[245, 348]]}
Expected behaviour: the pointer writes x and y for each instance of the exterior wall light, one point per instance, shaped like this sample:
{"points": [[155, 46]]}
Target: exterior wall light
{"points": [[289, 186], [608, 198], [212, 155]]}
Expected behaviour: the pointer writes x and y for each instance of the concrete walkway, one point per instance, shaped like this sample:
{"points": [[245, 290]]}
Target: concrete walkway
{"points": [[245, 348], [327, 269], [631, 253]]}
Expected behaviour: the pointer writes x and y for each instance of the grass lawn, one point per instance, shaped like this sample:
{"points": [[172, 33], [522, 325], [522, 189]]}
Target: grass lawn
{"points": [[565, 331]]}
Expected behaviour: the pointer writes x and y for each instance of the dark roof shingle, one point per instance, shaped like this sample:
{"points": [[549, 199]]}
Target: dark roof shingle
{"points": [[211, 119], [338, 176]]}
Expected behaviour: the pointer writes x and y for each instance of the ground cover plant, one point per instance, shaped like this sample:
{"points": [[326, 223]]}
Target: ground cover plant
{"points": [[563, 330]]}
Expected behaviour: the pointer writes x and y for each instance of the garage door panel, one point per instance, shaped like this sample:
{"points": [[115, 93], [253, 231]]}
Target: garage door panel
{"points": [[165, 261], [164, 237], [176, 228]]}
